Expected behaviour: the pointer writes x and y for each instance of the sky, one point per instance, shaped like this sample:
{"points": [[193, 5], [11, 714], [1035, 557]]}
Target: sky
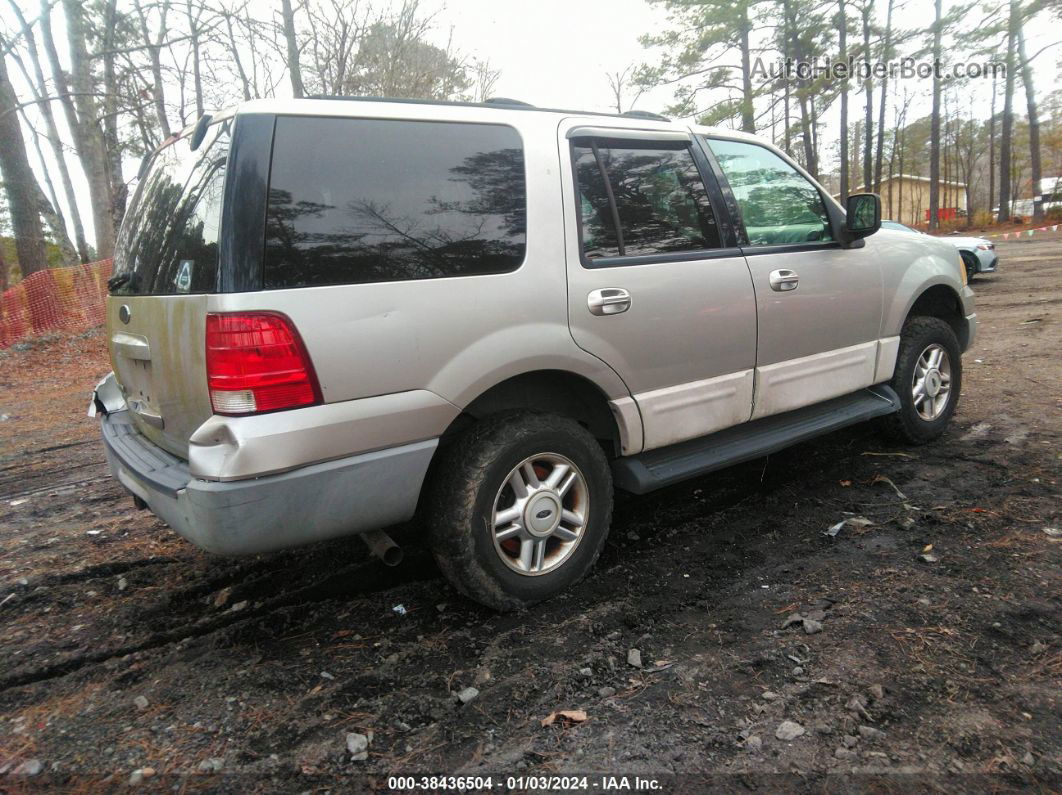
{"points": [[556, 53]]}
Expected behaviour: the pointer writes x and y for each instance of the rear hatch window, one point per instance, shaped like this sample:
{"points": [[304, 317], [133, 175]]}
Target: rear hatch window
{"points": [[168, 244], [165, 264]]}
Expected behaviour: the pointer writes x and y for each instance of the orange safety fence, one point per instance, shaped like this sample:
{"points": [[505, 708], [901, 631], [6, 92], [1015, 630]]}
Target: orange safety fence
{"points": [[56, 299]]}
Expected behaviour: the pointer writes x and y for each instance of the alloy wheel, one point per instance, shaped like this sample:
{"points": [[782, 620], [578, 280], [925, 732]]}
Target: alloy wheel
{"points": [[540, 514]]}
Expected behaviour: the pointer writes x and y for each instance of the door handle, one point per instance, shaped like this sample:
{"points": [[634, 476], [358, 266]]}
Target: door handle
{"points": [[608, 301], [784, 280]]}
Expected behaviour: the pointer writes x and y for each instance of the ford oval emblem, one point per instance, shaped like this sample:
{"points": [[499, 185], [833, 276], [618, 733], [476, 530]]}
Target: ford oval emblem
{"points": [[124, 314]]}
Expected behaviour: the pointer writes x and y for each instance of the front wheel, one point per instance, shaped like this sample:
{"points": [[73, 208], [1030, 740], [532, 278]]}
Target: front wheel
{"points": [[520, 508], [928, 379], [969, 261]]}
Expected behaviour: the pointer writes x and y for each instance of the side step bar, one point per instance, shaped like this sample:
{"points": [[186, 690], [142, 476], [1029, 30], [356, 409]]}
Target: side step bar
{"points": [[664, 466]]}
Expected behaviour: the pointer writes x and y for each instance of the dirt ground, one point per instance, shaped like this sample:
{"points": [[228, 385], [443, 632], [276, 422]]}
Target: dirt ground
{"points": [[128, 655]]}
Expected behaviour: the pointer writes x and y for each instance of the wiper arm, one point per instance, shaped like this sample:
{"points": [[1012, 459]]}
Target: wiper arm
{"points": [[117, 281]]}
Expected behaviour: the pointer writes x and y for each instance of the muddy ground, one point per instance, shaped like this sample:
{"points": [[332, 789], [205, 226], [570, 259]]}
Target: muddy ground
{"points": [[939, 660]]}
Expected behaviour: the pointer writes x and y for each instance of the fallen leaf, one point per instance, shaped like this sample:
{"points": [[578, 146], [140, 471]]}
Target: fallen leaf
{"points": [[845, 483], [659, 665], [927, 548], [884, 479], [569, 715]]}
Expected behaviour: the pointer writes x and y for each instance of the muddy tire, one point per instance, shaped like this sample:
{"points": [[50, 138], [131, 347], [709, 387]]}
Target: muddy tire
{"points": [[928, 379], [519, 508]]}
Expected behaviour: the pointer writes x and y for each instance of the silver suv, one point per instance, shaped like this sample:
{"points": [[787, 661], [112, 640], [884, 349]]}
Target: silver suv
{"points": [[326, 314]]}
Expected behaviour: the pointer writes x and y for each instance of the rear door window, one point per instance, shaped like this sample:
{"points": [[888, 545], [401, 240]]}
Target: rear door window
{"points": [[778, 204], [640, 198], [365, 200]]}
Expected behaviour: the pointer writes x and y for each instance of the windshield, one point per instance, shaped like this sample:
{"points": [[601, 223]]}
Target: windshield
{"points": [[898, 227], [168, 243]]}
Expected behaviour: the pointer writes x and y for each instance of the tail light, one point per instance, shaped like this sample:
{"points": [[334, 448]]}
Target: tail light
{"points": [[256, 362]]}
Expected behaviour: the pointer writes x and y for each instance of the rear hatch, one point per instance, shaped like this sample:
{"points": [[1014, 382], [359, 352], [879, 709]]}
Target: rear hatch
{"points": [[165, 267]]}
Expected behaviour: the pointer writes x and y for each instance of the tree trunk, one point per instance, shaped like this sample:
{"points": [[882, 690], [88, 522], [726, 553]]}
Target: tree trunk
{"points": [[748, 119], [112, 145], [197, 78], [1008, 117], [886, 54], [297, 88], [992, 150], [899, 172], [19, 183], [868, 88], [1034, 129], [234, 51], [934, 142], [802, 97], [842, 27], [154, 50], [786, 53], [52, 130], [50, 209], [892, 171], [83, 121]]}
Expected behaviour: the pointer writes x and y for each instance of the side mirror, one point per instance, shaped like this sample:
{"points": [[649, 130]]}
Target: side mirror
{"points": [[863, 215]]}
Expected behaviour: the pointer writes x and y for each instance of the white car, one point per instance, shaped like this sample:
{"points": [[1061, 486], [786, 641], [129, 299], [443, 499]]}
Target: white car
{"points": [[978, 255]]}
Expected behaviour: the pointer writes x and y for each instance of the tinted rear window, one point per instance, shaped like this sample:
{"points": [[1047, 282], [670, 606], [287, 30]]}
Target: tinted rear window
{"points": [[360, 200], [660, 199], [168, 243]]}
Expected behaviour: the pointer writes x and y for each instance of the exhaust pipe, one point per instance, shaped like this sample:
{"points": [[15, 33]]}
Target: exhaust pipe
{"points": [[383, 547]]}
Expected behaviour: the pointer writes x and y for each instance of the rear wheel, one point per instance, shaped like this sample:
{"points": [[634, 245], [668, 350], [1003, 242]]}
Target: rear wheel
{"points": [[928, 379], [520, 508]]}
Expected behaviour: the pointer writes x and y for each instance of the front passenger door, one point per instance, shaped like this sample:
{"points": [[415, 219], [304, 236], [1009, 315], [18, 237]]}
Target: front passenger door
{"points": [[819, 305]]}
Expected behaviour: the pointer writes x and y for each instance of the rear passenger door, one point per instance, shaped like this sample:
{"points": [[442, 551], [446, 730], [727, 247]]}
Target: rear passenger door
{"points": [[656, 285], [819, 305]]}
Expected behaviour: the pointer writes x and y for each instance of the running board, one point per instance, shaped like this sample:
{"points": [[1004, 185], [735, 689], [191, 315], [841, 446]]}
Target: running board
{"points": [[664, 466]]}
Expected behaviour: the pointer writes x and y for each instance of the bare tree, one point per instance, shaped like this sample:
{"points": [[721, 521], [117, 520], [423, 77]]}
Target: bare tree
{"points": [[842, 41], [1034, 126], [1008, 115], [334, 43], [194, 32], [934, 143], [484, 79], [48, 203], [77, 98], [866, 12], [294, 68], [19, 183], [886, 55], [38, 86], [621, 83], [153, 43]]}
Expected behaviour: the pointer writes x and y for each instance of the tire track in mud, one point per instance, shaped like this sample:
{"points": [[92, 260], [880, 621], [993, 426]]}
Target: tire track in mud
{"points": [[364, 578]]}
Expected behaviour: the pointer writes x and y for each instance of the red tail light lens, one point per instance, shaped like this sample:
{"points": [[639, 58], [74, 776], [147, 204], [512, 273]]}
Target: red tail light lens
{"points": [[256, 362]]}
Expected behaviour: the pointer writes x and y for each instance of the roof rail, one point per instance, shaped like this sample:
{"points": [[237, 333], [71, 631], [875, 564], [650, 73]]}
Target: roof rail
{"points": [[644, 114], [507, 101]]}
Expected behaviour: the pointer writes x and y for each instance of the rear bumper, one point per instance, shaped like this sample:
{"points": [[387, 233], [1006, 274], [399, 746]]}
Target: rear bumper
{"points": [[335, 498]]}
